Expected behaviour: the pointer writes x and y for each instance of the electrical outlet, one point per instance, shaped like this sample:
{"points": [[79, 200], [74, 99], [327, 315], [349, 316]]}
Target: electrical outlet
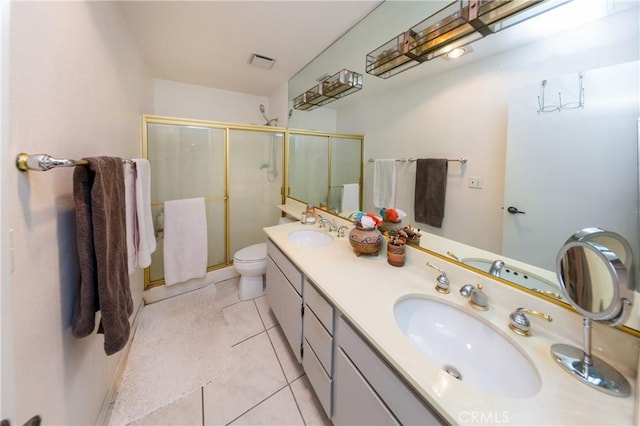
{"points": [[476, 182]]}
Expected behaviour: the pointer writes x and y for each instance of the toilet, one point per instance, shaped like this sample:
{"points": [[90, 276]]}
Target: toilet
{"points": [[251, 264]]}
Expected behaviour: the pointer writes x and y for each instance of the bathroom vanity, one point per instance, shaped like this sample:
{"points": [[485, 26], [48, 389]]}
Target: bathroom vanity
{"points": [[339, 313]]}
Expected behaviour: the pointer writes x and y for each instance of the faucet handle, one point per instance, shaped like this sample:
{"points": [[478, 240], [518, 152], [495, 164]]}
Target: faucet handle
{"points": [[520, 324], [443, 281], [341, 231]]}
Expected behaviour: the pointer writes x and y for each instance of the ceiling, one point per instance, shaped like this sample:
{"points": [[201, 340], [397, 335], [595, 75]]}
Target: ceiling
{"points": [[210, 43]]}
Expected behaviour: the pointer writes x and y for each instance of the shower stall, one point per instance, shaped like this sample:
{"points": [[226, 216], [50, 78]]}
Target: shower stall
{"points": [[237, 169]]}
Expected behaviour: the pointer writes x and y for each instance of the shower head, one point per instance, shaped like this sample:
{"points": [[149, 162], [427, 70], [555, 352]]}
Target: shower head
{"points": [[262, 111]]}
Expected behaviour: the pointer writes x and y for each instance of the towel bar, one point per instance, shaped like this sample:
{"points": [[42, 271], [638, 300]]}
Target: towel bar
{"points": [[462, 160], [44, 162]]}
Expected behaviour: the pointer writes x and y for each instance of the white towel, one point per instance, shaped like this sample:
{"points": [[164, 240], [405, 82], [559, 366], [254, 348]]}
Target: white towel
{"points": [[131, 224], [185, 240], [146, 243], [350, 198], [384, 183]]}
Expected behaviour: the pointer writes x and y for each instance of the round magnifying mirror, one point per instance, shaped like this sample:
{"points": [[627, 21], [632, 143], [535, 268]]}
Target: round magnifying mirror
{"points": [[589, 274], [594, 281]]}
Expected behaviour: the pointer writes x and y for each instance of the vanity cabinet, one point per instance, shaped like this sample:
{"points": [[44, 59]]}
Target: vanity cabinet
{"points": [[367, 391], [284, 294], [317, 359]]}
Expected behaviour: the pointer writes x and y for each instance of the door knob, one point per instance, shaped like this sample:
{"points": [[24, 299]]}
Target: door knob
{"points": [[514, 210]]}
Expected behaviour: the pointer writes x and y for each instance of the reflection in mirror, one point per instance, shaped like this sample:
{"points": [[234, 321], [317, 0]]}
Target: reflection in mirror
{"points": [[565, 168], [336, 185], [595, 282], [309, 168]]}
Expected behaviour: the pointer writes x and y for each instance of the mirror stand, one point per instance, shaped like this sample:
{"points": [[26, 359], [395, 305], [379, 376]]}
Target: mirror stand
{"points": [[593, 269], [588, 368]]}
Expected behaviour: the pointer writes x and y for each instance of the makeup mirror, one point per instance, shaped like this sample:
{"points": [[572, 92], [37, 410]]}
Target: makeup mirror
{"points": [[595, 280]]}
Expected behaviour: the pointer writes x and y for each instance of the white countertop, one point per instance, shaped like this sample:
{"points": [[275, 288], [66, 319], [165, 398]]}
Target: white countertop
{"points": [[366, 288]]}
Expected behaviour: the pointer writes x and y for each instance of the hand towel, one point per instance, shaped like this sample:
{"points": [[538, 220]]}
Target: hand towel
{"points": [[99, 196], [185, 240], [384, 183], [431, 187], [350, 198], [146, 241], [131, 216]]}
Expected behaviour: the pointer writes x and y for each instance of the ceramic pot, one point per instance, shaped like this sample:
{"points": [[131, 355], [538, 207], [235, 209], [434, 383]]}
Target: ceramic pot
{"points": [[392, 227], [365, 241], [396, 254]]}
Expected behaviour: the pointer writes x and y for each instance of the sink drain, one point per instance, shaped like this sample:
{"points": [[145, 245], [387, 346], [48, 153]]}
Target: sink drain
{"points": [[452, 371]]}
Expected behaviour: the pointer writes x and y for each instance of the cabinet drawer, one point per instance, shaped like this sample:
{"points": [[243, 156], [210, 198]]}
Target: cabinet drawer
{"points": [[319, 380], [288, 269], [355, 402], [319, 306], [318, 338], [401, 400]]}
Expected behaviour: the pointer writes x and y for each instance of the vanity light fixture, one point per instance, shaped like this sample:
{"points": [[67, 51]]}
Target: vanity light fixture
{"points": [[456, 25], [332, 88]]}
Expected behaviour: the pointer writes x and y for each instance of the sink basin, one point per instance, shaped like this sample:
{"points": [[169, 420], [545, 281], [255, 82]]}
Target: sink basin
{"points": [[467, 348], [310, 238], [517, 276]]}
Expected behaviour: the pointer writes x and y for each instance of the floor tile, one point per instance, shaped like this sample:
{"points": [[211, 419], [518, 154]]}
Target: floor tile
{"points": [[227, 292], [279, 409], [185, 411], [242, 321], [292, 369], [309, 404], [253, 375], [268, 318]]}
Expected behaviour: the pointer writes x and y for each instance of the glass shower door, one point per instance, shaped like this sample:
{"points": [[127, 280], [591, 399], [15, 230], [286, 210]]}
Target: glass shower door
{"points": [[188, 162]]}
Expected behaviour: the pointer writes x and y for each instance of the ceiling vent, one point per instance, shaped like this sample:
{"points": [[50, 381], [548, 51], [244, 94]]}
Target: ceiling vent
{"points": [[261, 61]]}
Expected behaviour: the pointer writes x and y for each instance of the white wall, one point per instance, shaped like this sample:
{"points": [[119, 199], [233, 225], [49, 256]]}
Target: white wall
{"points": [[175, 99], [463, 113], [77, 88]]}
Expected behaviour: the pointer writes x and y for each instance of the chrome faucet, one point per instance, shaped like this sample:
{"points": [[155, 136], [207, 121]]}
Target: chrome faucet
{"points": [[476, 297], [326, 222], [443, 281], [519, 323], [496, 268]]}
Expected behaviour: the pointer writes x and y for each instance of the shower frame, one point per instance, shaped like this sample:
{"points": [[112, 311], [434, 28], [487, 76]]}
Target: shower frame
{"points": [[226, 128]]}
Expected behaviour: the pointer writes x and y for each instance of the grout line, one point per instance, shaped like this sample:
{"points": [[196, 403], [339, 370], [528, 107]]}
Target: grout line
{"points": [[287, 380], [259, 314], [202, 403], [296, 400], [246, 411], [250, 337]]}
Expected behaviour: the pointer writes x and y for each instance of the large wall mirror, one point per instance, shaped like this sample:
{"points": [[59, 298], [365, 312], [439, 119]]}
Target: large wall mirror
{"points": [[568, 164]]}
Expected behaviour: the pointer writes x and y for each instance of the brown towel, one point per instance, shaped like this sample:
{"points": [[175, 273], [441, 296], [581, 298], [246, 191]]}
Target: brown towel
{"points": [[431, 186], [102, 251]]}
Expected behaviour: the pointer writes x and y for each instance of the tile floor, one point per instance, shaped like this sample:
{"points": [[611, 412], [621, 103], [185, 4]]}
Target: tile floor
{"points": [[207, 358]]}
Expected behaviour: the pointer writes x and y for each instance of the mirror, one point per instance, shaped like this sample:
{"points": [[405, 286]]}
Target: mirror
{"points": [[594, 280], [325, 170], [463, 108]]}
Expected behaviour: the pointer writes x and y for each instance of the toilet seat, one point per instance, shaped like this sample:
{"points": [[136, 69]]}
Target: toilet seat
{"points": [[251, 254]]}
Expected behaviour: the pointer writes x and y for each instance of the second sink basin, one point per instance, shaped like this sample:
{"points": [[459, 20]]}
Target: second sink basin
{"points": [[517, 276], [310, 238], [466, 348]]}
